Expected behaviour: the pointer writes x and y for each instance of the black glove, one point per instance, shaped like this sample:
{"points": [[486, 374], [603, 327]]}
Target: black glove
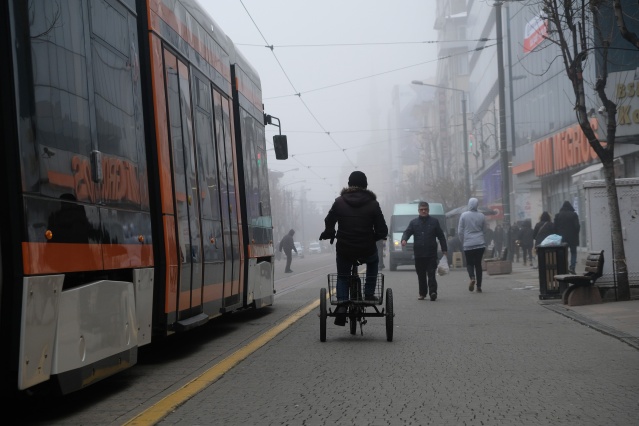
{"points": [[328, 234]]}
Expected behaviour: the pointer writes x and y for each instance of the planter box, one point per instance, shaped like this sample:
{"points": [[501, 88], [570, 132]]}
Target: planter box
{"points": [[499, 267]]}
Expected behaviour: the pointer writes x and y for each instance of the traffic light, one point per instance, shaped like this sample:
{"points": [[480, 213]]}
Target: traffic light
{"points": [[259, 159]]}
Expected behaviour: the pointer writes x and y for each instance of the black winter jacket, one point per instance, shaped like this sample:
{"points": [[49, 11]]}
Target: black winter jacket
{"points": [[360, 223], [542, 230], [525, 236], [567, 224], [425, 231]]}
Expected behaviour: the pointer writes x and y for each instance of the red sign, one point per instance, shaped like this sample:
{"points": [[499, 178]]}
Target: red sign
{"points": [[496, 208], [535, 32]]}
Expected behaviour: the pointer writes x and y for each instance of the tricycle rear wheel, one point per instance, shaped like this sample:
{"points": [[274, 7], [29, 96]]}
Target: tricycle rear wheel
{"points": [[352, 321], [389, 315], [323, 315]]}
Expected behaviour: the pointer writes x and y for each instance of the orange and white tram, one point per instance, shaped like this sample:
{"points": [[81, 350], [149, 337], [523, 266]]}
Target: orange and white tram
{"points": [[135, 198]]}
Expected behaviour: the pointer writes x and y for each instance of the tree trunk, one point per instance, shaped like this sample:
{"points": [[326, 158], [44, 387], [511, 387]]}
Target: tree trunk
{"points": [[620, 268]]}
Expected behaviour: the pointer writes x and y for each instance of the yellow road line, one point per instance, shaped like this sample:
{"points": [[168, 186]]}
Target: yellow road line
{"points": [[162, 408]]}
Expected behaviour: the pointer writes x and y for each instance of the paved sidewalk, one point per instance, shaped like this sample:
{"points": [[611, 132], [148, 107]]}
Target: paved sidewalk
{"points": [[617, 319]]}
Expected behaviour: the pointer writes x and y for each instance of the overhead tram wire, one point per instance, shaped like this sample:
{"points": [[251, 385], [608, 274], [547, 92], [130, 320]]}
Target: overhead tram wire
{"points": [[299, 94], [295, 89], [360, 44]]}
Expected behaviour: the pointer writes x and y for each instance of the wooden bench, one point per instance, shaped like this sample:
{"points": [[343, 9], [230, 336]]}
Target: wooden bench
{"points": [[579, 290]]}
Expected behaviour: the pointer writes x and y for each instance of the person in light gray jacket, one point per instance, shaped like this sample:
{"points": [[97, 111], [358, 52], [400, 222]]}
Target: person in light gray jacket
{"points": [[471, 233]]}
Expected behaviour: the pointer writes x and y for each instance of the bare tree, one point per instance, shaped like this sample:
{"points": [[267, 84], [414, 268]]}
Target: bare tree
{"points": [[621, 23], [574, 26]]}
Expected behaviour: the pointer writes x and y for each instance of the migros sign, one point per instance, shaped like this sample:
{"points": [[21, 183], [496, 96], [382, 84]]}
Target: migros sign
{"points": [[563, 150]]}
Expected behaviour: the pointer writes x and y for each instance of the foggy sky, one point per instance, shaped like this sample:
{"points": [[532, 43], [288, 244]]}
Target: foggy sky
{"points": [[345, 90]]}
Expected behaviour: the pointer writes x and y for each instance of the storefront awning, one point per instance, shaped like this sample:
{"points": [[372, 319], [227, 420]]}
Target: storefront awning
{"points": [[595, 172]]}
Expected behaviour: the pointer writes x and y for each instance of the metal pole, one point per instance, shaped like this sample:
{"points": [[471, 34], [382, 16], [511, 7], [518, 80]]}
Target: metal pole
{"points": [[510, 85], [467, 175], [503, 145]]}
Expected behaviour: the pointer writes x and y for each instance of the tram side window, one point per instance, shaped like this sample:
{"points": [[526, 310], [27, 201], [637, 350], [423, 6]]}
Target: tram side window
{"points": [[60, 85], [251, 163], [69, 79], [265, 198], [256, 178], [114, 89], [207, 165]]}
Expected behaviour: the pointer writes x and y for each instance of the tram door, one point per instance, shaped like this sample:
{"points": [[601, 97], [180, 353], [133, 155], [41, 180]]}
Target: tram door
{"points": [[185, 187], [228, 193]]}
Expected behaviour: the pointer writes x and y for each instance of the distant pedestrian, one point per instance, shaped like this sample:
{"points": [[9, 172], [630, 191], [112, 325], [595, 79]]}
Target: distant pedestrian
{"points": [[288, 245], [498, 238], [426, 231], [543, 228], [489, 236], [471, 233], [526, 241], [514, 235], [454, 245], [567, 225]]}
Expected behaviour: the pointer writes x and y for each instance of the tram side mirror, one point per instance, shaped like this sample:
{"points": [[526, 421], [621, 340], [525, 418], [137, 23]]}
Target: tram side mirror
{"points": [[281, 147]]}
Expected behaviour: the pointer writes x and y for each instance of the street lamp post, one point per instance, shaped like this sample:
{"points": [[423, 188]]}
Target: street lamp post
{"points": [[467, 172], [503, 145]]}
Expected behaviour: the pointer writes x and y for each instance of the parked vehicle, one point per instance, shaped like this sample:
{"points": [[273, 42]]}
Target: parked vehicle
{"points": [[314, 248], [300, 249]]}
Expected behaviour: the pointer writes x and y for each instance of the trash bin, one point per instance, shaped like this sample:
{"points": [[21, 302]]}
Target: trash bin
{"points": [[552, 260]]}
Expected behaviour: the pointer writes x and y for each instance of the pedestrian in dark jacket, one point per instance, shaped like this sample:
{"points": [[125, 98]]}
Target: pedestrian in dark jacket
{"points": [[498, 238], [426, 231], [287, 245], [543, 228], [567, 225], [526, 241], [360, 224], [514, 240]]}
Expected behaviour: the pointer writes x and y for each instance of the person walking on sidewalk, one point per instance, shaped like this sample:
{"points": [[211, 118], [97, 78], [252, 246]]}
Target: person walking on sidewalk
{"points": [[471, 233], [426, 231], [287, 244], [514, 235], [567, 225], [526, 241], [543, 228], [360, 224]]}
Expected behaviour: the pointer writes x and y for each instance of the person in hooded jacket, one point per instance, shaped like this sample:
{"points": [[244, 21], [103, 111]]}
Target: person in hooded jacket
{"points": [[426, 231], [567, 225], [526, 241], [288, 245], [360, 224], [471, 233], [543, 228]]}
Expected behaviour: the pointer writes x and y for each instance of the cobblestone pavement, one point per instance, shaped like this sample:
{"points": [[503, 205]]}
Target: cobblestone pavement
{"points": [[502, 357]]}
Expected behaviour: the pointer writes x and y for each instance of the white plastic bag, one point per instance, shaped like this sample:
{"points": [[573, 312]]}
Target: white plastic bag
{"points": [[551, 240], [442, 267]]}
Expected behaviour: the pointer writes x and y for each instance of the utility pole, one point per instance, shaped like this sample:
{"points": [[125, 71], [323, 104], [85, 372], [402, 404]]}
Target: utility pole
{"points": [[466, 170], [503, 140]]}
